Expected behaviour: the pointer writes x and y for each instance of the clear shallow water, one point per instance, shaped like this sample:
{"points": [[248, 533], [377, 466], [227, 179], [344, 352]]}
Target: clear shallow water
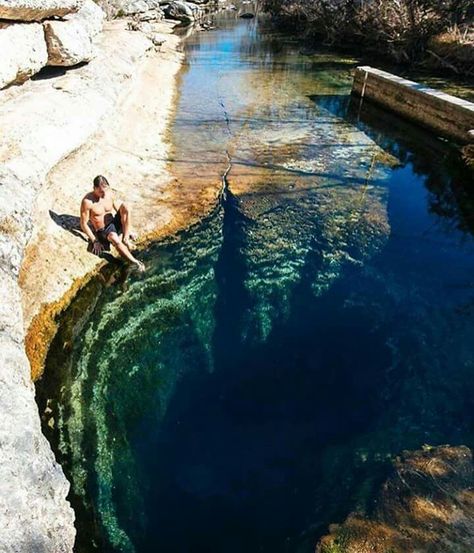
{"points": [[252, 387]]}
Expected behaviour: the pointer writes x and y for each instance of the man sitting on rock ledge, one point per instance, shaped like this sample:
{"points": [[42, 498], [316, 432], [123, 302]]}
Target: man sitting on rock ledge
{"points": [[97, 207]]}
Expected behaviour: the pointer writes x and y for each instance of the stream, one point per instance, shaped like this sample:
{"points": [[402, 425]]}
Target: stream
{"points": [[252, 387]]}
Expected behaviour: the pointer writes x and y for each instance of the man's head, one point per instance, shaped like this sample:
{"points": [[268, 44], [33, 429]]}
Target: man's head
{"points": [[100, 186]]}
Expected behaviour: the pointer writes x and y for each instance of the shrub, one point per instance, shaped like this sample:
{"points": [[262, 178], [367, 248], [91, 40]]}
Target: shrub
{"points": [[401, 29]]}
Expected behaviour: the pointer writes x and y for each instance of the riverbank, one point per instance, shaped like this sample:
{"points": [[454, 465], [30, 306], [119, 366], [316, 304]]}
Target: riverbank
{"points": [[59, 131], [129, 146], [334, 212], [438, 38], [132, 149]]}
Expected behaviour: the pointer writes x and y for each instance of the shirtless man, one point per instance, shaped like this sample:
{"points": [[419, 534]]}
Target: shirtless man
{"points": [[97, 207]]}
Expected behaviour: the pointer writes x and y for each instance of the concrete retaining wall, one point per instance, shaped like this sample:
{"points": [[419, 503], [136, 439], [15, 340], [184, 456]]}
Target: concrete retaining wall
{"points": [[447, 115]]}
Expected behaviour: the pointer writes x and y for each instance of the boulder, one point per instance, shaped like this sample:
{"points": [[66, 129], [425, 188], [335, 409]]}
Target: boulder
{"points": [[109, 7], [69, 42], [154, 4], [151, 15], [36, 10], [91, 15], [23, 52], [138, 6], [144, 27], [186, 12], [149, 30], [117, 8]]}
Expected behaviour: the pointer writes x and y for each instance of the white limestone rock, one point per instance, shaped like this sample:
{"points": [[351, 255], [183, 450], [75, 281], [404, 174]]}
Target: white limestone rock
{"points": [[91, 15], [36, 10], [34, 515], [137, 6], [151, 15], [23, 52], [40, 125], [153, 4], [70, 42]]}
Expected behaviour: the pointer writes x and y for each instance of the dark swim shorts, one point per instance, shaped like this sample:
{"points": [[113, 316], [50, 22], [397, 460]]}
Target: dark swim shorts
{"points": [[115, 225]]}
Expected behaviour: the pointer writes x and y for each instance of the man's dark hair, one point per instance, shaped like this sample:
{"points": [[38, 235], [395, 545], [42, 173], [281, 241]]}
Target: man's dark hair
{"points": [[100, 180]]}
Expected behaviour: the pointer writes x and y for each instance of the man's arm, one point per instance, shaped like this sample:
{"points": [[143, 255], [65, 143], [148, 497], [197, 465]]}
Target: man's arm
{"points": [[85, 211], [116, 203]]}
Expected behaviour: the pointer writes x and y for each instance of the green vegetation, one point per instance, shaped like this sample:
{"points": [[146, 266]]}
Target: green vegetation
{"points": [[339, 544]]}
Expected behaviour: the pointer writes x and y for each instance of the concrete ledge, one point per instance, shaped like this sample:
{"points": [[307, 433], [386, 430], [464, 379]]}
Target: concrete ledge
{"points": [[447, 115]]}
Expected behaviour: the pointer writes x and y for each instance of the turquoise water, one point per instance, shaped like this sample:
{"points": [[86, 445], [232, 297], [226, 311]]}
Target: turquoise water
{"points": [[253, 385]]}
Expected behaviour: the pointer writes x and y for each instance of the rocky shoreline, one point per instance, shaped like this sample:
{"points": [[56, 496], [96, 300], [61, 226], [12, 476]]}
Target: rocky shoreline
{"points": [[127, 144], [59, 131], [111, 116], [425, 505]]}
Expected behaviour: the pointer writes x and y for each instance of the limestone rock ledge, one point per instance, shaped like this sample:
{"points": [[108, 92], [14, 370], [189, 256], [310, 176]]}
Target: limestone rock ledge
{"points": [[425, 506], [70, 42], [27, 47], [24, 52], [34, 515], [42, 123], [36, 10]]}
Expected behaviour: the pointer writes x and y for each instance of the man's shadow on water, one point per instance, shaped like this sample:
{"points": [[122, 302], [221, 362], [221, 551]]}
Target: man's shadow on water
{"points": [[72, 224]]}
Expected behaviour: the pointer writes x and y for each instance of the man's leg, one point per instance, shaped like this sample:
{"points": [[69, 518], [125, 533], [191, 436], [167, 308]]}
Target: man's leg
{"points": [[125, 222], [114, 239]]}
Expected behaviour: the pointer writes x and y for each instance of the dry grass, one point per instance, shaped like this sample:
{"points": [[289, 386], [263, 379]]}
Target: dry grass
{"points": [[404, 30], [468, 156], [9, 226]]}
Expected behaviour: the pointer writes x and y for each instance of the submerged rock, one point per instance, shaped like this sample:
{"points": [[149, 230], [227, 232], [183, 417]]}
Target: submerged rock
{"points": [[36, 10], [305, 210], [24, 52], [426, 505]]}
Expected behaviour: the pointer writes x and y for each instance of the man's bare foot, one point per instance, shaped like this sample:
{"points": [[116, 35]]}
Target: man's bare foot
{"points": [[130, 245], [140, 266]]}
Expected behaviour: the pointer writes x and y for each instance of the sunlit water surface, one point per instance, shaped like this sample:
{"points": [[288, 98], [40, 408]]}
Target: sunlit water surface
{"points": [[252, 387]]}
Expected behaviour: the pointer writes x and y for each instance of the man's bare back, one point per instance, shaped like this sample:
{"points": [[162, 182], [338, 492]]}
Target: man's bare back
{"points": [[97, 208]]}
